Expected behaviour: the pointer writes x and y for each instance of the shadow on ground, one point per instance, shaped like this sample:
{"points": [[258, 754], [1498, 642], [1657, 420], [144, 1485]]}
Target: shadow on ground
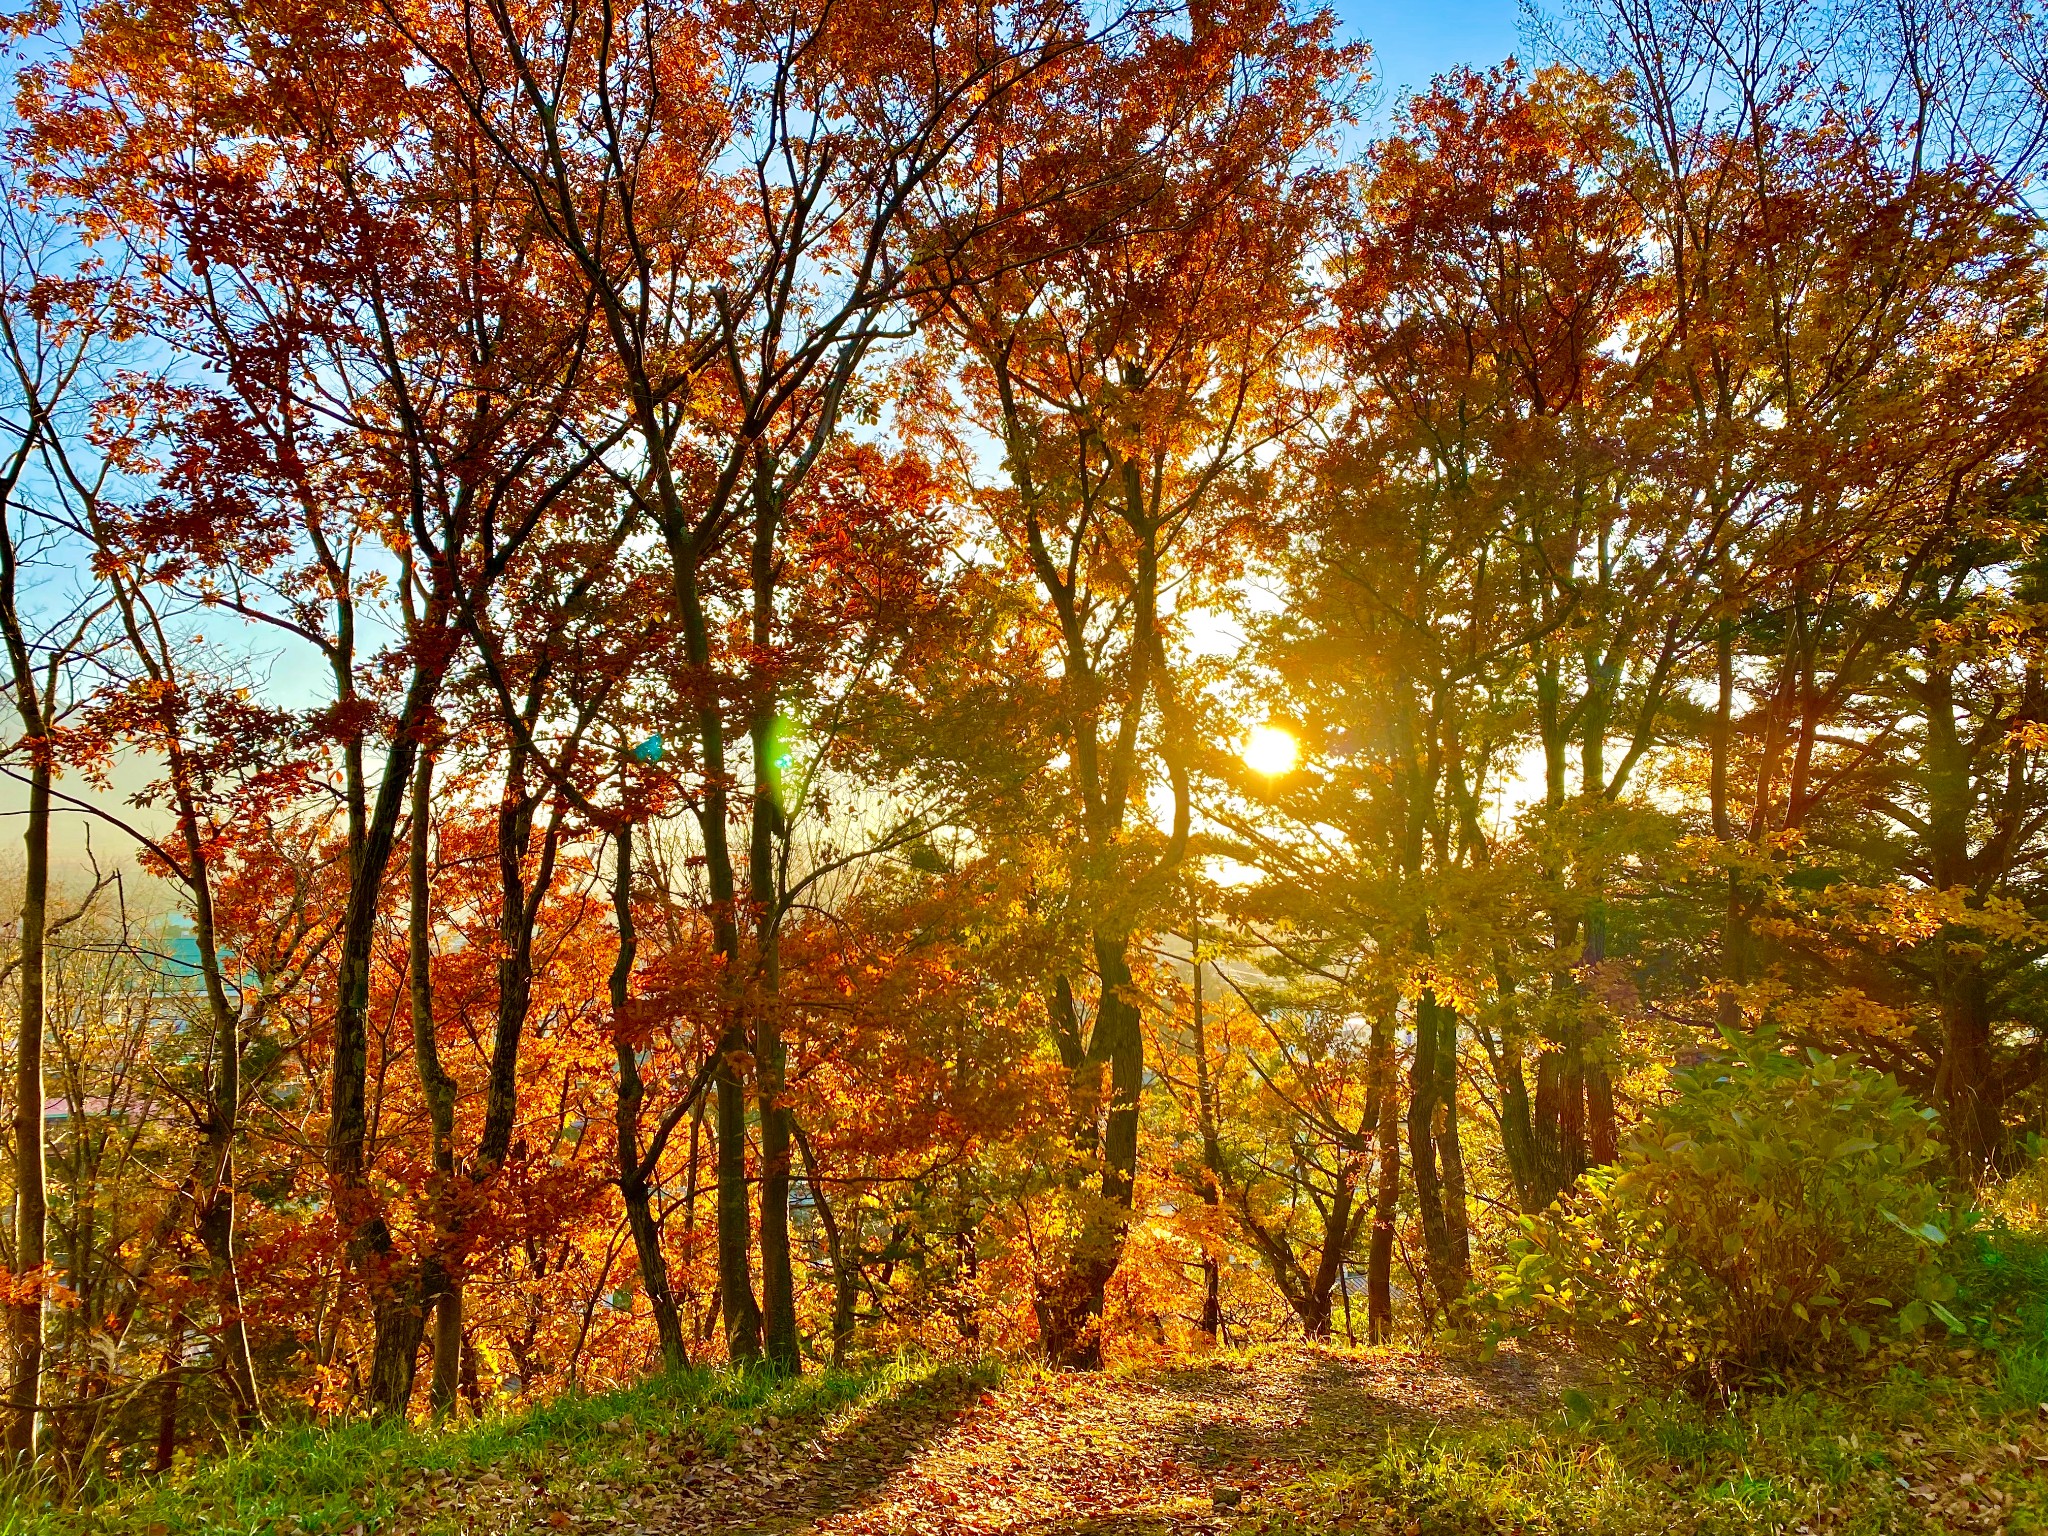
{"points": [[1327, 1405], [792, 1480]]}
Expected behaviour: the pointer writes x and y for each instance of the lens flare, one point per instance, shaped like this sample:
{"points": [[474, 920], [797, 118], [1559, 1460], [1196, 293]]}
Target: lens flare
{"points": [[1270, 750]]}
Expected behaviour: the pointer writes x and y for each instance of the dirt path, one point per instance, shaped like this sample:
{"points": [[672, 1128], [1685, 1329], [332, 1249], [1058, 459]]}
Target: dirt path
{"points": [[1113, 1455]]}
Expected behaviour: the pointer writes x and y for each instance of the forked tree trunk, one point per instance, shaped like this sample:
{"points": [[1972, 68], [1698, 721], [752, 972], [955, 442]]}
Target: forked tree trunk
{"points": [[1070, 1302], [635, 1187], [397, 1308], [1436, 1150]]}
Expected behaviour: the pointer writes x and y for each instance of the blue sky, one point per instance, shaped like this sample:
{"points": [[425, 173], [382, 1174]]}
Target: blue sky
{"points": [[1417, 39]]}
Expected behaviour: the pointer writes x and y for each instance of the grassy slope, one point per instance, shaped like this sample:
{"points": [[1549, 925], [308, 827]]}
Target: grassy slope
{"points": [[1957, 1444], [1946, 1438], [362, 1476], [1889, 1456], [1950, 1436]]}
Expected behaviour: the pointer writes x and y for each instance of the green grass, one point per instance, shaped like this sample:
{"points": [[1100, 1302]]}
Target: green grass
{"points": [[1948, 1436], [1943, 1437], [311, 1480], [1854, 1461]]}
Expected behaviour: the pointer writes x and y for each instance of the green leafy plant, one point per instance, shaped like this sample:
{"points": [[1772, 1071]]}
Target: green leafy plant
{"points": [[1780, 1211]]}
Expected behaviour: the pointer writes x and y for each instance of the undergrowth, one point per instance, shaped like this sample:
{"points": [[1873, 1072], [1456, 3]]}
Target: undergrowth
{"points": [[1949, 1434]]}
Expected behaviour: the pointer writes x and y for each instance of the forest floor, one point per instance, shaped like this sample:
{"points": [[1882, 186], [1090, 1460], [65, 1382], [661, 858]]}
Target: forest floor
{"points": [[1276, 1442], [1125, 1452]]}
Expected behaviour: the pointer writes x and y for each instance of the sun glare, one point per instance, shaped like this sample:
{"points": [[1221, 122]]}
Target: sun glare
{"points": [[1270, 750]]}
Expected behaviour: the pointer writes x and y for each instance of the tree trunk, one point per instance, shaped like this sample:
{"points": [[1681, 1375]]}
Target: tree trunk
{"points": [[1435, 1148], [398, 1321], [741, 1315], [778, 1276], [1206, 1118], [1070, 1306], [1338, 1230], [215, 1191], [216, 1225], [31, 1191], [167, 1404], [1379, 1264], [634, 1182], [1966, 1075], [1120, 1041], [445, 1389], [444, 1282], [366, 1234], [844, 1255]]}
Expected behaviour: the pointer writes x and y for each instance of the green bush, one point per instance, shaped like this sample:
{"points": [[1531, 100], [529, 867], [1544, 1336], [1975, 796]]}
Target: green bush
{"points": [[1779, 1212]]}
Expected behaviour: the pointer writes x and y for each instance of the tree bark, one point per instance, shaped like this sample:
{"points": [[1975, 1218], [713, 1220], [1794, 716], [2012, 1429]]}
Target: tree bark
{"points": [[1436, 1151], [1070, 1304], [442, 1289], [1206, 1121], [31, 1191], [1966, 1078], [31, 1174], [167, 1403], [445, 1390], [778, 1276], [634, 1185], [1379, 1265], [844, 1254], [396, 1306]]}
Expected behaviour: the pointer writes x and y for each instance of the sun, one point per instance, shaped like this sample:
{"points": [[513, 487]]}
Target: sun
{"points": [[1270, 750]]}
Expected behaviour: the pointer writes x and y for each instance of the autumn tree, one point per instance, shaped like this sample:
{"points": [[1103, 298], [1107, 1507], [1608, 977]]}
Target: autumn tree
{"points": [[393, 379], [1134, 375]]}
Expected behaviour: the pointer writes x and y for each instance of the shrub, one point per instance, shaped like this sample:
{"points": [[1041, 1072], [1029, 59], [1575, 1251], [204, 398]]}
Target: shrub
{"points": [[1778, 1212]]}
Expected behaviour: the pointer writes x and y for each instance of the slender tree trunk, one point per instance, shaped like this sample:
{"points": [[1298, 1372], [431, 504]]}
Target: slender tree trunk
{"points": [[442, 1287], [1519, 1144], [1206, 1118], [1450, 1143], [634, 1185], [31, 1191], [741, 1314], [216, 1226], [397, 1315], [1119, 1040], [778, 1279], [167, 1403], [1379, 1262], [445, 1390], [1601, 1141], [216, 1187], [844, 1255], [778, 1276], [1966, 1074]]}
